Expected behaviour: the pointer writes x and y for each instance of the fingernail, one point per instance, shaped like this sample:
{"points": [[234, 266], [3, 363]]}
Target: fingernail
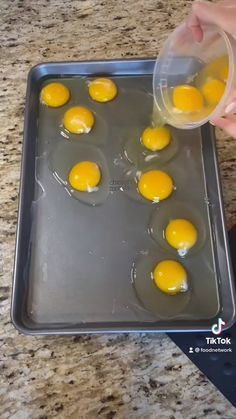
{"points": [[212, 123], [230, 108]]}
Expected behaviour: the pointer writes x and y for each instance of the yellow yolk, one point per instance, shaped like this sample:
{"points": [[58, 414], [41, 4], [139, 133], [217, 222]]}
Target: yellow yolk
{"points": [[85, 176], [102, 90], [181, 234], [213, 91], [224, 71], [55, 95], [78, 120], [170, 277], [156, 138], [155, 185], [187, 99], [218, 68]]}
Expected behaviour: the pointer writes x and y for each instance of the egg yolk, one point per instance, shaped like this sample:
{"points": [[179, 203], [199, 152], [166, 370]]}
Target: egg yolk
{"points": [[224, 71], [213, 90], [170, 277], [78, 120], [218, 68], [155, 185], [102, 90], [181, 234], [187, 99], [156, 139], [55, 95], [85, 176]]}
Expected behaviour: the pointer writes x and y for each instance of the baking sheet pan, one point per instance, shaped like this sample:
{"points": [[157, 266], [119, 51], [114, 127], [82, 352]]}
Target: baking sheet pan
{"points": [[81, 268]]}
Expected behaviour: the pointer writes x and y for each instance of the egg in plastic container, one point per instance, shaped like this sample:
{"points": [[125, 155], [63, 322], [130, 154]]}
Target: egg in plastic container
{"points": [[193, 81]]}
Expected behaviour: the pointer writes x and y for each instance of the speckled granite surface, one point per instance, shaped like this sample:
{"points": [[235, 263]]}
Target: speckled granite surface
{"points": [[121, 376]]}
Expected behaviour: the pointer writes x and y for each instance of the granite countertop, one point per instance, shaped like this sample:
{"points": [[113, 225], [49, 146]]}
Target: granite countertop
{"points": [[120, 376]]}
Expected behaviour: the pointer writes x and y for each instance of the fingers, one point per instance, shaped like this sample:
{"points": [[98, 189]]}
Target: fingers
{"points": [[231, 108], [197, 32], [227, 124], [206, 12], [194, 24], [231, 104], [228, 3], [217, 14]]}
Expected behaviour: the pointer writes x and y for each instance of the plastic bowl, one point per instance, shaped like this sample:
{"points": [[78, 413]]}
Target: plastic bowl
{"points": [[182, 61]]}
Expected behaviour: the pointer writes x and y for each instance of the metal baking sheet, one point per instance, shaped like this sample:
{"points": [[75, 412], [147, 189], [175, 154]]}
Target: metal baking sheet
{"points": [[83, 268]]}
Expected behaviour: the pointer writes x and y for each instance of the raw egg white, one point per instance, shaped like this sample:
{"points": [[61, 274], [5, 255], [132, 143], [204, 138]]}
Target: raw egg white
{"points": [[143, 147], [82, 170], [179, 228], [162, 286]]}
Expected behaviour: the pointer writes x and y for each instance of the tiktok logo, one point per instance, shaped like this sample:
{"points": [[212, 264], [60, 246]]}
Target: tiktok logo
{"points": [[217, 328]]}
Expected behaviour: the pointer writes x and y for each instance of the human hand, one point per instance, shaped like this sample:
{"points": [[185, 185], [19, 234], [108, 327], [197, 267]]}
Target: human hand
{"points": [[222, 14]]}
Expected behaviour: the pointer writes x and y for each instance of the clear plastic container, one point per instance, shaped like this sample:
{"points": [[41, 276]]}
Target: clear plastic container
{"points": [[183, 61]]}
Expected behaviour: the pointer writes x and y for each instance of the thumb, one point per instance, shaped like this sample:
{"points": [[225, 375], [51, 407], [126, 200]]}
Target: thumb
{"points": [[227, 124]]}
